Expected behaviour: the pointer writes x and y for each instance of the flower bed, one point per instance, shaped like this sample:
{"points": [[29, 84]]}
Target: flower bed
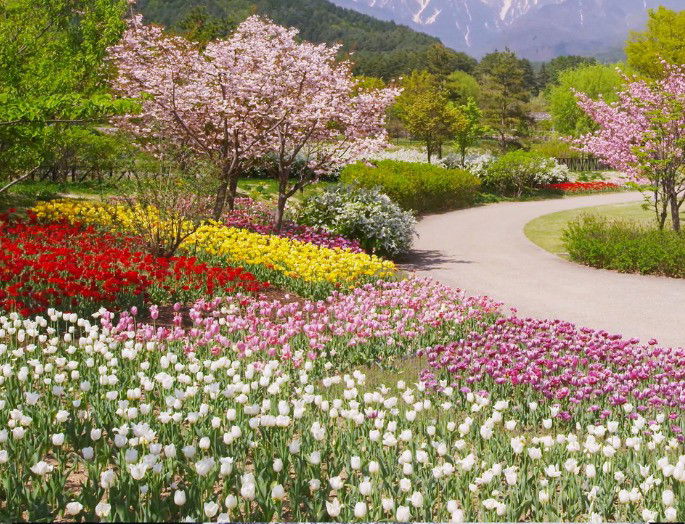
{"points": [[566, 364], [292, 258], [80, 269], [371, 322], [258, 218], [582, 187], [141, 426]]}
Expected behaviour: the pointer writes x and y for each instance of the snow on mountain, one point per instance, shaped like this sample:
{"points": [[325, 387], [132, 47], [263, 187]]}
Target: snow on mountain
{"points": [[536, 29]]}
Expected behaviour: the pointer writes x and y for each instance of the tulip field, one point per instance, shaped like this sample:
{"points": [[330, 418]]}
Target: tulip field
{"points": [[243, 402]]}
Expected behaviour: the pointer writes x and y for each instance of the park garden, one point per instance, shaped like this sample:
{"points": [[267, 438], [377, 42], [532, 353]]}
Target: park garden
{"points": [[204, 311]]}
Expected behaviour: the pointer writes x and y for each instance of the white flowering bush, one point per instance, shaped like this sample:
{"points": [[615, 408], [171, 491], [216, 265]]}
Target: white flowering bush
{"points": [[478, 164], [379, 225], [516, 172], [400, 155], [119, 421]]}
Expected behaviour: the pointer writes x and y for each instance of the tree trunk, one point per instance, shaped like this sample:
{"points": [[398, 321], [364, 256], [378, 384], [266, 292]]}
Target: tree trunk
{"points": [[675, 211], [463, 157], [232, 190], [280, 212], [439, 150], [220, 199], [282, 176]]}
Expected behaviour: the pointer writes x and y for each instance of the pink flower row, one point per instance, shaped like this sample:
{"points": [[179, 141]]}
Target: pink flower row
{"points": [[386, 316], [563, 362]]}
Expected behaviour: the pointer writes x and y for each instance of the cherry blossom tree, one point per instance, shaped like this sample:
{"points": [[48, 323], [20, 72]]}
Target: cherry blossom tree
{"points": [[192, 100], [260, 94], [643, 135], [315, 114]]}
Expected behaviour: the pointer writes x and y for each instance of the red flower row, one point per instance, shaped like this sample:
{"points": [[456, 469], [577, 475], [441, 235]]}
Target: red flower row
{"points": [[576, 187], [77, 268]]}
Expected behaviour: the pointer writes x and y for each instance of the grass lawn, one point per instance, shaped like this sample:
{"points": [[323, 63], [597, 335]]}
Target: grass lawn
{"points": [[545, 231]]}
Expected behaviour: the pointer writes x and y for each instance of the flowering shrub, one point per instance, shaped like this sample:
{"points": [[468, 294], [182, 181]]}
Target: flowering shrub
{"points": [[146, 425], [257, 217], [569, 365], [368, 216], [400, 155], [80, 269], [582, 187], [292, 258], [517, 172]]}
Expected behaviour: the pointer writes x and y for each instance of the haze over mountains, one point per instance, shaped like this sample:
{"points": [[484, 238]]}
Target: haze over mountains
{"points": [[535, 29]]}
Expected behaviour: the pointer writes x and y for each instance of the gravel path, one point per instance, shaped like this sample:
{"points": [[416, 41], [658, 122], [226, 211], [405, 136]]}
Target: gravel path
{"points": [[484, 251]]}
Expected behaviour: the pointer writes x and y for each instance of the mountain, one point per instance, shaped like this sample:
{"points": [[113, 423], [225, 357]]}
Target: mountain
{"points": [[535, 29], [380, 48]]}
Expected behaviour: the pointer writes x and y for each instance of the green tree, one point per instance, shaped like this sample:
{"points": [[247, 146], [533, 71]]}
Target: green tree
{"points": [[503, 77], [468, 128], [426, 111], [558, 65], [442, 61], [664, 39], [53, 78], [461, 86], [596, 81]]}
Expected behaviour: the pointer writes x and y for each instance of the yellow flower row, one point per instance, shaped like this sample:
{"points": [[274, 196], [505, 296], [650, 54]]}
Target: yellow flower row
{"points": [[292, 257]]}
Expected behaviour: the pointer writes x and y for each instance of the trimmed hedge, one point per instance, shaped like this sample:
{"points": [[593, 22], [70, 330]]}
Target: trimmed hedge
{"points": [[423, 188], [625, 246]]}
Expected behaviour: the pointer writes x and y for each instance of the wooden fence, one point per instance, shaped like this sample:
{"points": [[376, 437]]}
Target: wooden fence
{"points": [[83, 173], [583, 163]]}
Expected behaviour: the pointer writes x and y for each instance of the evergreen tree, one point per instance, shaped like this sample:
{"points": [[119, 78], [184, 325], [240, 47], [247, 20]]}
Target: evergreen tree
{"points": [[503, 77]]}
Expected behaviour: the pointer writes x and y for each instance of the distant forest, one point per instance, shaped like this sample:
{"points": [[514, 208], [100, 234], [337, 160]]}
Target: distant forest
{"points": [[381, 49]]}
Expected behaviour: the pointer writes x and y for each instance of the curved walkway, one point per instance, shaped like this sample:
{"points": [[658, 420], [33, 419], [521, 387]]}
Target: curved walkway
{"points": [[484, 251]]}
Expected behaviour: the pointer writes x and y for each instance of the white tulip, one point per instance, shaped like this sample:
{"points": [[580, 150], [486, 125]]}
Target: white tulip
{"points": [[231, 502], [402, 514], [535, 453], [138, 470], [365, 487], [416, 499], [102, 509], [73, 508], [41, 468], [360, 510], [278, 465], [179, 497], [278, 492], [333, 507], [336, 483], [211, 508], [107, 479]]}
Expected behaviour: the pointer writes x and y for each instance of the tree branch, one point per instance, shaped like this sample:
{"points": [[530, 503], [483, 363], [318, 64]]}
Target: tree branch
{"points": [[16, 181]]}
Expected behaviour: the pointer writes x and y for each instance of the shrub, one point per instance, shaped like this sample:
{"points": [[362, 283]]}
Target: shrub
{"points": [[518, 172], [625, 246], [555, 148], [414, 186], [368, 216]]}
